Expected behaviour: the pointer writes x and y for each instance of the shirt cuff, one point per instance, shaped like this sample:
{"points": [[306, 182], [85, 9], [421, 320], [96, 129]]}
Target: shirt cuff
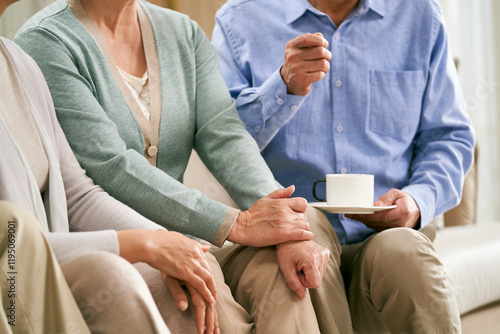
{"points": [[225, 227], [274, 93], [425, 199]]}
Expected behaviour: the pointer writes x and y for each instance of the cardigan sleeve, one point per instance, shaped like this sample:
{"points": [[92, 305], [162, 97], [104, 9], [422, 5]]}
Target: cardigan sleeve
{"points": [[120, 170], [222, 141]]}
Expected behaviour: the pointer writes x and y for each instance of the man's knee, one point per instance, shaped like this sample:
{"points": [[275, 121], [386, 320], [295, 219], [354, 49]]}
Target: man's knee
{"points": [[398, 244], [401, 257]]}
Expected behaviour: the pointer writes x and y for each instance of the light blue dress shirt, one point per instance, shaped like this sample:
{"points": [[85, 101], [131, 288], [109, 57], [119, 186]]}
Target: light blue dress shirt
{"points": [[390, 105]]}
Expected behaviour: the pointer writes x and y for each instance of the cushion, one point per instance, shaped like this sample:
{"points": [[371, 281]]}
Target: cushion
{"points": [[471, 257]]}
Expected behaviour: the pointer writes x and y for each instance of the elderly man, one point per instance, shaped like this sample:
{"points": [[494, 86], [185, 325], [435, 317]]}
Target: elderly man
{"points": [[367, 87]]}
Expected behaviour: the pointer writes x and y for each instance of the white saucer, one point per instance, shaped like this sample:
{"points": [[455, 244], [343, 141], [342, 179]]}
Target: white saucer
{"points": [[350, 209]]}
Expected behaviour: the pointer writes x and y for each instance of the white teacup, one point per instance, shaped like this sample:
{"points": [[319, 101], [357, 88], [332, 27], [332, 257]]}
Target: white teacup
{"points": [[347, 190]]}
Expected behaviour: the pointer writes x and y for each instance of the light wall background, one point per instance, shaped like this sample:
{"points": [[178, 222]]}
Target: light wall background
{"points": [[474, 38]]}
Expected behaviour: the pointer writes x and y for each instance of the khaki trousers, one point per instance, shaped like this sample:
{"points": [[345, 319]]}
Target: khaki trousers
{"points": [[258, 286], [396, 284], [115, 296], [35, 297]]}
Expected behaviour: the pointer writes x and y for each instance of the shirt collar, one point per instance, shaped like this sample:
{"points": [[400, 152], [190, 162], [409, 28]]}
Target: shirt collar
{"points": [[378, 6], [299, 7]]}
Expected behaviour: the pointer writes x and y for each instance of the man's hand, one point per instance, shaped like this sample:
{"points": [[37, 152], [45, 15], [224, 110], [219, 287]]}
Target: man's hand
{"points": [[303, 264], [407, 213], [307, 60], [272, 220]]}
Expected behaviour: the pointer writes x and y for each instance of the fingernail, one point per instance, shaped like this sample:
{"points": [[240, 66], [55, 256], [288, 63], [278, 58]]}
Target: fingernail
{"points": [[183, 305], [378, 203]]}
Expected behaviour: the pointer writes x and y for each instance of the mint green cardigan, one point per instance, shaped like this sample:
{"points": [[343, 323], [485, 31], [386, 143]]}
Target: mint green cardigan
{"points": [[196, 112]]}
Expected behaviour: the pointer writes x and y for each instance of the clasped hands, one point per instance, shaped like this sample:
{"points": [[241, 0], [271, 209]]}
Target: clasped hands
{"points": [[273, 220], [279, 220]]}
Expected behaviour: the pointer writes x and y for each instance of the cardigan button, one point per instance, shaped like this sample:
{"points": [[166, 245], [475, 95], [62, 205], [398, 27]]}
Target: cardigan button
{"points": [[152, 150]]}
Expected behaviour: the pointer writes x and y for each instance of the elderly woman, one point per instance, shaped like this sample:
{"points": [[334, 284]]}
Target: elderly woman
{"points": [[41, 180], [136, 87]]}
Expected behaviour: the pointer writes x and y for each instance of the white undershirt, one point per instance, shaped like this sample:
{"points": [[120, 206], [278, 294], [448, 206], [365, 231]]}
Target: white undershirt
{"points": [[139, 87]]}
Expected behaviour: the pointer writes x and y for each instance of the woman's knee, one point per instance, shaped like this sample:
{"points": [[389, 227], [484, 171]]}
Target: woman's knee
{"points": [[101, 280]]}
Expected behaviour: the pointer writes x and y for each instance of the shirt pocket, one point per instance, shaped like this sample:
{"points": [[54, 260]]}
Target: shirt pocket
{"points": [[395, 102]]}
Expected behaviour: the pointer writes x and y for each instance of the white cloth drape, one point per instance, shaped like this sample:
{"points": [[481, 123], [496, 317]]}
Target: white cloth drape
{"points": [[474, 32]]}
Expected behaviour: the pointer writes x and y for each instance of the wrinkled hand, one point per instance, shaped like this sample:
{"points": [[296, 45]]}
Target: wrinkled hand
{"points": [[172, 254], [178, 256], [407, 213], [206, 315], [272, 220], [307, 60], [303, 264]]}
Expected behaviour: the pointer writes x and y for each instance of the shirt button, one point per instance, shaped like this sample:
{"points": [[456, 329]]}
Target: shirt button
{"points": [[279, 101], [340, 128], [152, 150], [293, 107], [257, 128], [343, 170], [338, 83], [336, 36]]}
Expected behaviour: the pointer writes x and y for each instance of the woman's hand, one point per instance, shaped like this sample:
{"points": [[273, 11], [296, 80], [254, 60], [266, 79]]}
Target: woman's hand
{"points": [[173, 254], [272, 220], [206, 315]]}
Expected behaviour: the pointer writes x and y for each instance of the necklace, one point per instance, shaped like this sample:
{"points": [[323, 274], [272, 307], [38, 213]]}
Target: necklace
{"points": [[133, 80]]}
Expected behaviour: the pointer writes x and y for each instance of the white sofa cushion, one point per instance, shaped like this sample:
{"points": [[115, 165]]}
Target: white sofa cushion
{"points": [[471, 256]]}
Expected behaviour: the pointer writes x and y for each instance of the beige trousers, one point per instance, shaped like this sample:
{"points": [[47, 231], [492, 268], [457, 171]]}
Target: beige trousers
{"points": [[329, 301], [35, 297], [121, 298], [115, 296], [259, 287], [396, 284]]}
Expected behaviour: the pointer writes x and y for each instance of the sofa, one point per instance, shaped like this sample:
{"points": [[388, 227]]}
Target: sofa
{"points": [[470, 251]]}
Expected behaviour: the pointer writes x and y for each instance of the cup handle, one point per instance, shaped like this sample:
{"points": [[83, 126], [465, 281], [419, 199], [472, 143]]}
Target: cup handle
{"points": [[314, 190]]}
